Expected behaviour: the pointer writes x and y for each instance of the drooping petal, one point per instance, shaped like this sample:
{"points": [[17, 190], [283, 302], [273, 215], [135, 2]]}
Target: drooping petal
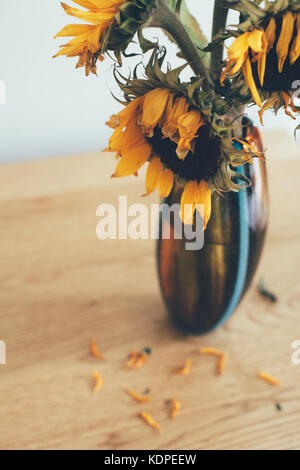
{"points": [[132, 136], [261, 67], [247, 71], [153, 171], [184, 147], [187, 202], [295, 50], [255, 40], [261, 58], [180, 107], [285, 38], [133, 159], [203, 201], [188, 125], [167, 111], [165, 183], [154, 104], [271, 33], [121, 120], [238, 52], [122, 140]]}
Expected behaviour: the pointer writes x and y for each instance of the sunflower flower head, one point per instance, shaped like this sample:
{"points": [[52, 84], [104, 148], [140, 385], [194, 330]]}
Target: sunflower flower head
{"points": [[266, 53], [167, 124], [109, 26]]}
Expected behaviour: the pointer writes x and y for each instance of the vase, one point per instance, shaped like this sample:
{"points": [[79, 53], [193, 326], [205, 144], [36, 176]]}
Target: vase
{"points": [[202, 288]]}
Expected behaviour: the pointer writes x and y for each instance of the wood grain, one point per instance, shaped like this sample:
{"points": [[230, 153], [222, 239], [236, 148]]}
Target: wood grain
{"points": [[60, 286]]}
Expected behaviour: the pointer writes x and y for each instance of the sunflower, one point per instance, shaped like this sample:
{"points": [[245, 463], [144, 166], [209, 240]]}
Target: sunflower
{"points": [[268, 56], [164, 128], [111, 26]]}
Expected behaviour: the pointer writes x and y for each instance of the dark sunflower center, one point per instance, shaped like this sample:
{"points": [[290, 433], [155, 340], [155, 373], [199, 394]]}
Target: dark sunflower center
{"points": [[197, 165], [275, 81]]}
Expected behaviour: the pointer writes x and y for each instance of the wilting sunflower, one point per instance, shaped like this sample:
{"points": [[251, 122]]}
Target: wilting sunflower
{"points": [[160, 128], [267, 52], [184, 142], [111, 26]]}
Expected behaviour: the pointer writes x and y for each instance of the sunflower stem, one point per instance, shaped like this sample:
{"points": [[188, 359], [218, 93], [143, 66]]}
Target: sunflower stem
{"points": [[219, 23], [164, 18]]}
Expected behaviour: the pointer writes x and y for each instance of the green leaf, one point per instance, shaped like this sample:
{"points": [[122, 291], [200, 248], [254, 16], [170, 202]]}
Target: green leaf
{"points": [[192, 26]]}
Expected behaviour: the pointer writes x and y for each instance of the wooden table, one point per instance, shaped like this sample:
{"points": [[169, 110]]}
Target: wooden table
{"points": [[60, 286]]}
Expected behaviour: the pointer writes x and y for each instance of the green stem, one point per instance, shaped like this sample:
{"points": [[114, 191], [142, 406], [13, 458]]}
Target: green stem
{"points": [[219, 23], [164, 18]]}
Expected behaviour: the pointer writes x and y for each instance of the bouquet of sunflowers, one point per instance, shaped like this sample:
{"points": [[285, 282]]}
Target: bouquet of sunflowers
{"points": [[190, 133]]}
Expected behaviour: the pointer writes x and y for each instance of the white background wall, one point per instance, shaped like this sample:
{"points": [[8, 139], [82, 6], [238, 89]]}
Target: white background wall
{"points": [[53, 109]]}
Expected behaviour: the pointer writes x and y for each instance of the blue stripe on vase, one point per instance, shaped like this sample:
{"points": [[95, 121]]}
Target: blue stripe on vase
{"points": [[243, 254]]}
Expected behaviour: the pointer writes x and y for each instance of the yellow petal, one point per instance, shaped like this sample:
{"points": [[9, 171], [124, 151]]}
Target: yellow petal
{"points": [[165, 183], [90, 39], [295, 50], [130, 109], [154, 169], [94, 39], [188, 202], [74, 30], [184, 147], [179, 107], [255, 40], [94, 17], [271, 33], [261, 57], [86, 41], [98, 4], [238, 52], [239, 47], [203, 201], [261, 67], [132, 136], [167, 111], [132, 159], [285, 38], [126, 117], [188, 125], [89, 5], [247, 71], [154, 104], [71, 51]]}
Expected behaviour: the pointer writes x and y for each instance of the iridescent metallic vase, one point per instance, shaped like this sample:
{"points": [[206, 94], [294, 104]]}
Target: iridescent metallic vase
{"points": [[202, 288]]}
